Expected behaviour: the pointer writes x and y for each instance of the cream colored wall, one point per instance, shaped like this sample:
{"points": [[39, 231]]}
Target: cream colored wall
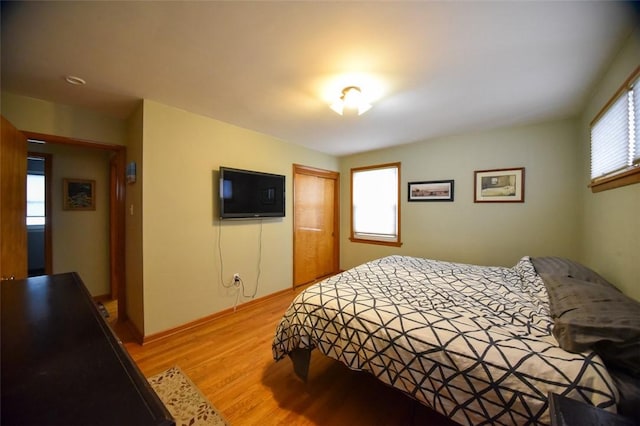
{"points": [[133, 225], [184, 243], [610, 228], [481, 233], [174, 254], [80, 239], [37, 115], [74, 247]]}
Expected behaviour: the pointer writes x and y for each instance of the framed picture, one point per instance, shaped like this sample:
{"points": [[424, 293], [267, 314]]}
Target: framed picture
{"points": [[434, 190], [499, 186], [79, 194]]}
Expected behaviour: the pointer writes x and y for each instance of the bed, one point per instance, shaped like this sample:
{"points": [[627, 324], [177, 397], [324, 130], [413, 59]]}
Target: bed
{"points": [[478, 344]]}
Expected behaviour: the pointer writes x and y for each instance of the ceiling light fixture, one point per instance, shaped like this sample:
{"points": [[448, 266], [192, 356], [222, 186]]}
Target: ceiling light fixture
{"points": [[351, 100], [76, 81]]}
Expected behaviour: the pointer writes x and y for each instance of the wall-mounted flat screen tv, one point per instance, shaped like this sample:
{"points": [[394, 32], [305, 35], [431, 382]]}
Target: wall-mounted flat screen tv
{"points": [[250, 194]]}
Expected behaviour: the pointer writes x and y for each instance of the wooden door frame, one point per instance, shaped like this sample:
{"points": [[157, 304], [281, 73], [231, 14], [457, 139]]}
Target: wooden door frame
{"points": [[326, 174], [117, 187]]}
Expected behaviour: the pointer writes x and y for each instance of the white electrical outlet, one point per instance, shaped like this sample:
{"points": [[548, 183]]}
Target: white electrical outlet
{"points": [[236, 279]]}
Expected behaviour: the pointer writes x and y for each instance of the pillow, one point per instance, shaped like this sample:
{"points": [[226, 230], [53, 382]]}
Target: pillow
{"points": [[590, 315], [558, 266]]}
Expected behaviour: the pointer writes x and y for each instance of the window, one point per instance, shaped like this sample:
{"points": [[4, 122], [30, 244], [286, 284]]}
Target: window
{"points": [[615, 139], [375, 204], [35, 200]]}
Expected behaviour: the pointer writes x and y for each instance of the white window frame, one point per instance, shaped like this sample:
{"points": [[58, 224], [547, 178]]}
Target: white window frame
{"points": [[383, 235], [623, 109]]}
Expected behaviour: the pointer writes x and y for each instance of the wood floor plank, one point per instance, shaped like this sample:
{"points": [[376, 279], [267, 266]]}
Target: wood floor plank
{"points": [[230, 360]]}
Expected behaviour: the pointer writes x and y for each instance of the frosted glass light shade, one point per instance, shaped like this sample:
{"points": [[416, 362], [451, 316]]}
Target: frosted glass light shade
{"points": [[351, 100]]}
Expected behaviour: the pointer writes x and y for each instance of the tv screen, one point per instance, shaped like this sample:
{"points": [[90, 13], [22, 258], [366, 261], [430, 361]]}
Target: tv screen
{"points": [[251, 194]]}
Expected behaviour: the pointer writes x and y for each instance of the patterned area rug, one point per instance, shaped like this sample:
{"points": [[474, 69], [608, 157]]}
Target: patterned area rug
{"points": [[183, 399]]}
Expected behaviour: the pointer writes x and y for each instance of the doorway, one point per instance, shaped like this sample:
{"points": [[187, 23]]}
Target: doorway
{"points": [[116, 218], [38, 219], [315, 224]]}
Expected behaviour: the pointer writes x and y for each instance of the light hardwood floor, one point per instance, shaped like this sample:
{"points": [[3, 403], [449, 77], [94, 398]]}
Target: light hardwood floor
{"points": [[230, 360]]}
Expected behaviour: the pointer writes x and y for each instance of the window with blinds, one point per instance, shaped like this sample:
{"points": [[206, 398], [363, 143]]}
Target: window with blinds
{"points": [[636, 118], [375, 204], [615, 139]]}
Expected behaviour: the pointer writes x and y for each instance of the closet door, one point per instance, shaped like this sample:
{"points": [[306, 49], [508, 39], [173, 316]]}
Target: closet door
{"points": [[315, 243], [13, 203]]}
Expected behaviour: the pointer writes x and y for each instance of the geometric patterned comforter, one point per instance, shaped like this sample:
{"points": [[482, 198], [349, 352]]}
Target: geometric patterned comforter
{"points": [[471, 342]]}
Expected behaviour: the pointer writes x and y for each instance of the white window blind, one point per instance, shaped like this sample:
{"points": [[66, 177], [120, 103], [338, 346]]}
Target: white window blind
{"points": [[610, 139], [375, 203], [615, 134], [636, 120]]}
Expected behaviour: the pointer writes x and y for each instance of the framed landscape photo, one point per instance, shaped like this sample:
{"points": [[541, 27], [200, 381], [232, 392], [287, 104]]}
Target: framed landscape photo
{"points": [[79, 194], [434, 190], [499, 186]]}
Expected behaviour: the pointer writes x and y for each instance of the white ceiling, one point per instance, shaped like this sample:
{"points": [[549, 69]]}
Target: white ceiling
{"points": [[430, 68]]}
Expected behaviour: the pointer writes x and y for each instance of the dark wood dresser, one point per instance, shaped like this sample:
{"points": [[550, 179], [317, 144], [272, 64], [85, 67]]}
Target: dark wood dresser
{"points": [[63, 365]]}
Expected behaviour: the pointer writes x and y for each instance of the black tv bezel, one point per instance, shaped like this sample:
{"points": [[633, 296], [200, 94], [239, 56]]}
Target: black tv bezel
{"points": [[250, 215]]}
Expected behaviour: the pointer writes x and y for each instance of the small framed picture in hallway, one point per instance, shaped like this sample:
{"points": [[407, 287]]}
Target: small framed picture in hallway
{"points": [[79, 194]]}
